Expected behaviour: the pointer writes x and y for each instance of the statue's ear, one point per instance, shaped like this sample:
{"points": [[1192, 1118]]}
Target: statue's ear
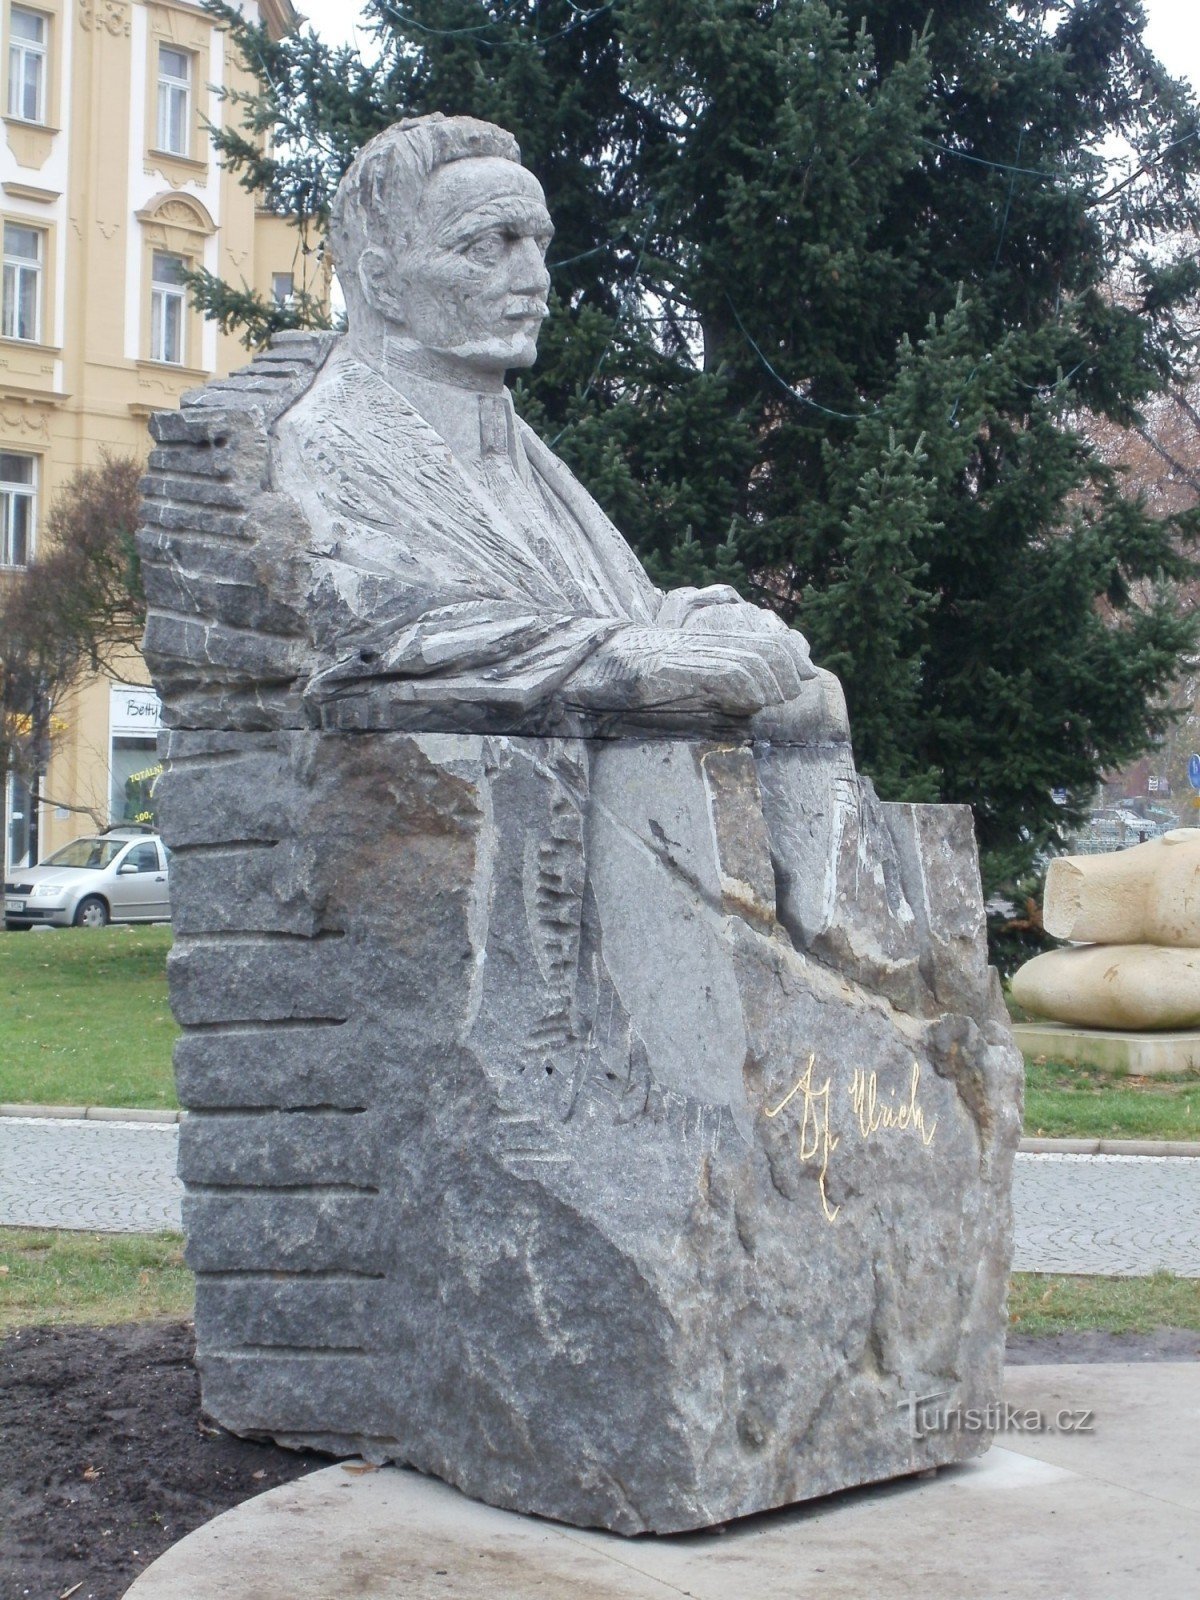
{"points": [[381, 284]]}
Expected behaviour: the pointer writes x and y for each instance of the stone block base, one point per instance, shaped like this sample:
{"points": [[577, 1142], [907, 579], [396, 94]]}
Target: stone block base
{"points": [[1136, 1053], [621, 1131]]}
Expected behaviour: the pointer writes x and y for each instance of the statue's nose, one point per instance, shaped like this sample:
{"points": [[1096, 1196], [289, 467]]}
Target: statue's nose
{"points": [[528, 270]]}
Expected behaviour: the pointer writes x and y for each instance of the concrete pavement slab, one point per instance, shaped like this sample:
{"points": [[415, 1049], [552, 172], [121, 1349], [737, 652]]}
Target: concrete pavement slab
{"points": [[1143, 1431], [1099, 1515], [1110, 1049]]}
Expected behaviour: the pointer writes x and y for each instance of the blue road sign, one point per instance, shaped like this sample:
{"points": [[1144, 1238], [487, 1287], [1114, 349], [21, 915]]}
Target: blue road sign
{"points": [[1194, 771]]}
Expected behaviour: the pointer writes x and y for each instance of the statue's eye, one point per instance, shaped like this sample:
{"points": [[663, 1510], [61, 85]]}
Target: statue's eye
{"points": [[486, 248]]}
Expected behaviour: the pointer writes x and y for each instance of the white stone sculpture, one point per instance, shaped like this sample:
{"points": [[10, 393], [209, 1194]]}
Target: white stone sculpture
{"points": [[1134, 918]]}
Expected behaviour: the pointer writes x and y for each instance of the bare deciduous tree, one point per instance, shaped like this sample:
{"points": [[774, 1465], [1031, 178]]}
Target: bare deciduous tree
{"points": [[75, 610]]}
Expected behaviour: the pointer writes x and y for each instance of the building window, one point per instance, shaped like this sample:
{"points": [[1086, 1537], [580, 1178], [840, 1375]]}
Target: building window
{"points": [[174, 100], [283, 287], [18, 490], [168, 308], [27, 65], [22, 302], [20, 833]]}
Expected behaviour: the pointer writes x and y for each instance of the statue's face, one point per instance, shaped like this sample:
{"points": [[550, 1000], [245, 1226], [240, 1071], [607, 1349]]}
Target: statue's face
{"points": [[473, 282]]}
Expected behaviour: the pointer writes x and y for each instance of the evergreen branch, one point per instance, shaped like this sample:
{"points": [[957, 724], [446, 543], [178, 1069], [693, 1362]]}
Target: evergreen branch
{"points": [[245, 311]]}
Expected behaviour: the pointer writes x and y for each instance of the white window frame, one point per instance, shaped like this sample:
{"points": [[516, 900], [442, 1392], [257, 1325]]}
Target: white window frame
{"points": [[276, 279], [11, 799], [174, 93], [11, 493], [24, 54], [167, 302], [17, 270]]}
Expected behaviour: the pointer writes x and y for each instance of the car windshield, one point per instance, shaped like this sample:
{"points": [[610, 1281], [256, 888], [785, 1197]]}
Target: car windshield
{"points": [[97, 853]]}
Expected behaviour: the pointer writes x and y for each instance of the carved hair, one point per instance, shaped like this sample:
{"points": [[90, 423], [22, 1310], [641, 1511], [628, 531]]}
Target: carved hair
{"points": [[380, 192]]}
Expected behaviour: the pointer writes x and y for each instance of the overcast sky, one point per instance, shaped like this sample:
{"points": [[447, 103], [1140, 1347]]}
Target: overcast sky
{"points": [[1173, 32]]}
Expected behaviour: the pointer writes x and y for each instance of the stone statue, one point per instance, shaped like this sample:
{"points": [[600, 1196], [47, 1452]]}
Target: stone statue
{"points": [[598, 1098], [511, 581], [1133, 918]]}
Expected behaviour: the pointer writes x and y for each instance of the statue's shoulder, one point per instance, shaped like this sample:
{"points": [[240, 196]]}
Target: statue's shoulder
{"points": [[280, 373], [341, 389]]}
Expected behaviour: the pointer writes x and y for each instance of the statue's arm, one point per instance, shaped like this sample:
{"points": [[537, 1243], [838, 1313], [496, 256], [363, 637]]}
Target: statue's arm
{"points": [[488, 649], [677, 671], [533, 664], [391, 610]]}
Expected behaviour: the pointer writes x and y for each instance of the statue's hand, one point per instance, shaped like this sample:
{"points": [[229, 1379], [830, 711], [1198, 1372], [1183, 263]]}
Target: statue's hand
{"points": [[751, 625], [681, 606], [677, 670]]}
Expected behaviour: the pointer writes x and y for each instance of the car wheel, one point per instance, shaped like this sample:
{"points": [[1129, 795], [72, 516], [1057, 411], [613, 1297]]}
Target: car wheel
{"points": [[91, 912]]}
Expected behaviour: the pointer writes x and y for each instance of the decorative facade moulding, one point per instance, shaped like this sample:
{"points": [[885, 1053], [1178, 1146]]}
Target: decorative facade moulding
{"points": [[29, 191], [177, 222], [178, 171], [24, 417], [184, 24], [30, 143], [111, 15], [166, 379]]}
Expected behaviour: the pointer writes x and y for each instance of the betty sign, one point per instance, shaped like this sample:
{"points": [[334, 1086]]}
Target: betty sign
{"points": [[133, 710]]}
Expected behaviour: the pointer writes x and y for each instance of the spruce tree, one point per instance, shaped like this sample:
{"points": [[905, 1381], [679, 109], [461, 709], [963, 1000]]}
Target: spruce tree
{"points": [[832, 308]]}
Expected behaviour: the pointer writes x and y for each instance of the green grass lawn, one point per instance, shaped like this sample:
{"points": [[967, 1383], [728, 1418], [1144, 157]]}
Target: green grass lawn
{"points": [[1039, 1303], [94, 1278], [84, 1019], [1065, 1101]]}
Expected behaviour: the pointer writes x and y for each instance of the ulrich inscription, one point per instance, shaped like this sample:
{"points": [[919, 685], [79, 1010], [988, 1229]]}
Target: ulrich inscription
{"points": [[873, 1111]]}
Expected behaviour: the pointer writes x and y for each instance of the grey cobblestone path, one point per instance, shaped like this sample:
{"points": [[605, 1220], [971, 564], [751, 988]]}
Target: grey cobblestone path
{"points": [[1121, 1216], [114, 1177]]}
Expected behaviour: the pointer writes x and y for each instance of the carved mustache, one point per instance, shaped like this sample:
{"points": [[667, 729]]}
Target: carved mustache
{"points": [[523, 309]]}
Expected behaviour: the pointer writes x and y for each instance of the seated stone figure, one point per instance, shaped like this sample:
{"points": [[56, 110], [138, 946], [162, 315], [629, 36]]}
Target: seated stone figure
{"points": [[598, 1098], [458, 559]]}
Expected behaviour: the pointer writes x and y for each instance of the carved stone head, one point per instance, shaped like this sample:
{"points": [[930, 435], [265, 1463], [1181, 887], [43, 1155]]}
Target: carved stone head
{"points": [[439, 237]]}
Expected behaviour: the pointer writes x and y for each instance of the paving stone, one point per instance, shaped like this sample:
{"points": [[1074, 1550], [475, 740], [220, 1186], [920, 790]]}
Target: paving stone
{"points": [[110, 1177]]}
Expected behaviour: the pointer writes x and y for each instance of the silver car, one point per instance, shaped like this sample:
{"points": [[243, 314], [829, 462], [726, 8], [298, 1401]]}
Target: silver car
{"points": [[119, 875]]}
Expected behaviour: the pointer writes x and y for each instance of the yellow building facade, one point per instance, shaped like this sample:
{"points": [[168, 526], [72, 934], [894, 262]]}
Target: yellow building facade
{"points": [[109, 188]]}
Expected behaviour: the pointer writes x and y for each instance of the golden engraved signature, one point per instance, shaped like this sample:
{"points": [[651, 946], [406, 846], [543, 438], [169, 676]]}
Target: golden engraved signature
{"points": [[872, 1115], [815, 1134], [870, 1112]]}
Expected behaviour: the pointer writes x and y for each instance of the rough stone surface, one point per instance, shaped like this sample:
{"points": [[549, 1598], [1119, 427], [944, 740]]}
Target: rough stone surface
{"points": [[598, 1097], [494, 1169]]}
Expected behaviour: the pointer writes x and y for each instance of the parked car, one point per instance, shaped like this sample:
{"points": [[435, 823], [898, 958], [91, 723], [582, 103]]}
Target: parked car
{"points": [[119, 875]]}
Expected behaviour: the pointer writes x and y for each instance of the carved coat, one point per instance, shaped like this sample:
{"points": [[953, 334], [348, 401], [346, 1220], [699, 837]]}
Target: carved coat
{"points": [[417, 576]]}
